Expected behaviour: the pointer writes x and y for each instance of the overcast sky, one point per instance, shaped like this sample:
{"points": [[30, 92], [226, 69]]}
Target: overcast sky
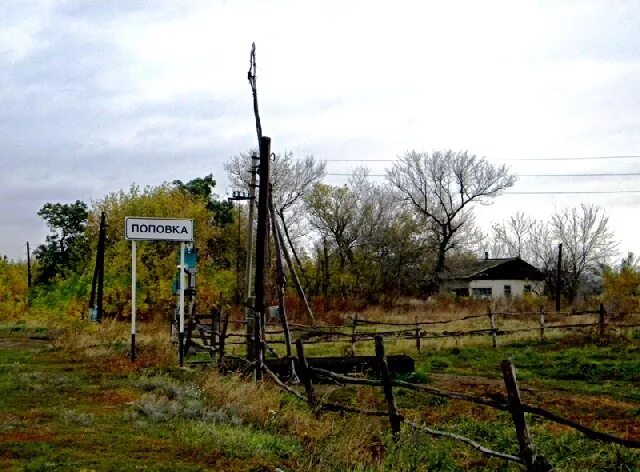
{"points": [[96, 95]]}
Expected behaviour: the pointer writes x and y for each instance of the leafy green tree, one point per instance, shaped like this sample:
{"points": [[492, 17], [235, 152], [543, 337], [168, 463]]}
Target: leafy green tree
{"points": [[157, 260], [65, 249], [13, 288], [622, 285], [202, 187]]}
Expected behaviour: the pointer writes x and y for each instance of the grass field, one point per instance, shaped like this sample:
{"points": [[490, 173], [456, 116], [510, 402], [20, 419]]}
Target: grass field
{"points": [[71, 400]]}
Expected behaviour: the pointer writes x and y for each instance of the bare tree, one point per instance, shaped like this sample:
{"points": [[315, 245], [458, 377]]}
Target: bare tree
{"points": [[587, 241], [541, 247], [441, 186], [513, 235], [292, 179]]}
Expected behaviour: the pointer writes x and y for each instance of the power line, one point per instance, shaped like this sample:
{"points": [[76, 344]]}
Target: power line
{"points": [[582, 158], [551, 192], [588, 158], [588, 192], [609, 174]]}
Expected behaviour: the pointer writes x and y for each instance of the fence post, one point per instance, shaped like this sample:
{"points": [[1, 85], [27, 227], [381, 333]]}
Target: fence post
{"points": [[601, 321], [541, 323], [494, 335], [223, 338], [305, 375], [394, 417], [214, 327], [532, 462], [418, 346], [354, 327]]}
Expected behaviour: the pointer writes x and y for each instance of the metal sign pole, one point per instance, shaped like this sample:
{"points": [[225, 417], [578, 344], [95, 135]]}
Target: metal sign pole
{"points": [[133, 300], [181, 335]]}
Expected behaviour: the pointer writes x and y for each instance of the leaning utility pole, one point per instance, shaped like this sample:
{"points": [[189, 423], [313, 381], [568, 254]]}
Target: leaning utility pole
{"points": [[254, 343], [281, 284]]}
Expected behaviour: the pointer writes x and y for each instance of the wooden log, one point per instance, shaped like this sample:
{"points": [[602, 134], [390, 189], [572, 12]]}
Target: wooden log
{"points": [[398, 364], [527, 453], [387, 387], [305, 375], [541, 323]]}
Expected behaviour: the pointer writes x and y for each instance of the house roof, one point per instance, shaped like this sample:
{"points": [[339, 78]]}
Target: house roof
{"points": [[503, 268]]}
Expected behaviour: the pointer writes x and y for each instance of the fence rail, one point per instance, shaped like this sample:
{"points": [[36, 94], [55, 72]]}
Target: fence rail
{"points": [[416, 331]]}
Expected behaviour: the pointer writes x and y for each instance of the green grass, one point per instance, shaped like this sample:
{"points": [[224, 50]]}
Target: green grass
{"points": [[60, 414], [592, 368]]}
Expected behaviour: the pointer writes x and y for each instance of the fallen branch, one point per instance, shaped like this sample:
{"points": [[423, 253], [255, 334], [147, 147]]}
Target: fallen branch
{"points": [[469, 442], [282, 385]]}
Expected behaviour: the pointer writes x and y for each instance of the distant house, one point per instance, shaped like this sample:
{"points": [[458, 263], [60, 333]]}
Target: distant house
{"points": [[494, 278]]}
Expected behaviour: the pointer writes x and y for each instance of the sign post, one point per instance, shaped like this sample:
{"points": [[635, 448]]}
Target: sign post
{"points": [[133, 301], [157, 229], [181, 333]]}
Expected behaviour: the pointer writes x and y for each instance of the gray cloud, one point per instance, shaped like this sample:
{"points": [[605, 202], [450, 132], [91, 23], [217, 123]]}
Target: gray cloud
{"points": [[84, 111]]}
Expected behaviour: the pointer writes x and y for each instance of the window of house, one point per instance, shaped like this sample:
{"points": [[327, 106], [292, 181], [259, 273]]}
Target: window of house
{"points": [[527, 288], [461, 292], [507, 291], [481, 292]]}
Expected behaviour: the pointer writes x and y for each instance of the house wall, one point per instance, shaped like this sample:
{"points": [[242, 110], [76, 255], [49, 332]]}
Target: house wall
{"points": [[497, 286]]}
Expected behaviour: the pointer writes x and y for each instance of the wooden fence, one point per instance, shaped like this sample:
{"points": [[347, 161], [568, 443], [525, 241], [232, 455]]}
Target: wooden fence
{"points": [[513, 404], [213, 335]]}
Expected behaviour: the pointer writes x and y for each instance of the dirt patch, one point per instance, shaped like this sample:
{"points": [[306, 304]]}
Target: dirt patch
{"points": [[114, 397], [611, 415], [25, 436]]}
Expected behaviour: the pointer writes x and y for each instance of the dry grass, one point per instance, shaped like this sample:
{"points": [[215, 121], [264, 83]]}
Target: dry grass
{"points": [[329, 440]]}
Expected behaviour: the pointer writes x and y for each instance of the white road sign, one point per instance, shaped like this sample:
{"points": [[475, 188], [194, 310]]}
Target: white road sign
{"points": [[158, 229]]}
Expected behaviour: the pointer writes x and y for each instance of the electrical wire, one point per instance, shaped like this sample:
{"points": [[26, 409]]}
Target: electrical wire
{"points": [[581, 158]]}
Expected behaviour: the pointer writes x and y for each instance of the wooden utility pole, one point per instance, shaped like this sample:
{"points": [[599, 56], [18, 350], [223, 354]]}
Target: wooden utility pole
{"points": [[558, 277], [262, 237], [97, 283], [28, 266], [248, 300], [100, 289]]}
